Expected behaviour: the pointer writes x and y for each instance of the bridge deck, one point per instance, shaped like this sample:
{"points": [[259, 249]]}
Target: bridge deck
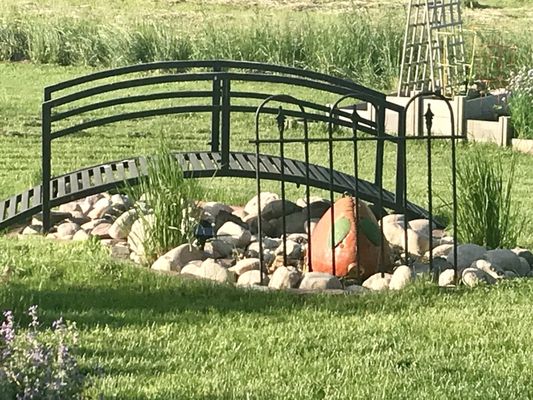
{"points": [[114, 175]]}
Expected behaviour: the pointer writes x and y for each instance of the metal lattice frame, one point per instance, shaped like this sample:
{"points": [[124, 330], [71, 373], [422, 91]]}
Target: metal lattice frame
{"points": [[433, 55]]}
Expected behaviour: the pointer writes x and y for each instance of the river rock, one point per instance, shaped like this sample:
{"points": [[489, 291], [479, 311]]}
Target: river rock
{"points": [[213, 271], [218, 248], [100, 208], [506, 260], [401, 277], [245, 265], [70, 207], [525, 267], [234, 234], [489, 268], [265, 198], [394, 219], [274, 209], [294, 250], [294, 223], [138, 233], [285, 277], [524, 253], [421, 226], [122, 225], [101, 231], [473, 277], [80, 236], [32, 230], [378, 283], [447, 278], [67, 229], [466, 255], [178, 257], [320, 281], [441, 250], [251, 278]]}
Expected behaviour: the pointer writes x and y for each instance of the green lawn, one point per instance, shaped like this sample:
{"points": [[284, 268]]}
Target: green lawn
{"points": [[162, 337], [159, 337]]}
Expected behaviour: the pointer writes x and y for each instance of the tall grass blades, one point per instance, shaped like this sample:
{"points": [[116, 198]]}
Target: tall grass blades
{"points": [[486, 215], [172, 200], [521, 103]]}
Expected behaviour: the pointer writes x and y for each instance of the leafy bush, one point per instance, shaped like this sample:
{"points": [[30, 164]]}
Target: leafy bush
{"points": [[521, 103], [167, 204], [485, 212], [36, 364]]}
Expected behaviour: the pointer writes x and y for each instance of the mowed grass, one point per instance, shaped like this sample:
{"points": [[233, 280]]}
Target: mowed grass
{"points": [[161, 337]]}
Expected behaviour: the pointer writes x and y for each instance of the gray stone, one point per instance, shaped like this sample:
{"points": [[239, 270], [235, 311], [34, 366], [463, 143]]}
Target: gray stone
{"points": [[401, 277], [377, 282], [294, 250], [67, 229], [120, 202], [441, 250], [394, 219], [466, 255], [101, 231], [302, 201], [294, 223], [70, 207], [421, 226], [320, 281], [80, 236], [356, 289], [473, 277], [211, 209], [191, 269], [213, 271], [300, 238], [251, 278], [489, 268], [510, 275], [55, 217], [524, 253], [274, 209], [99, 209], [506, 260], [119, 250], [285, 277], [265, 198], [418, 244], [525, 267], [89, 226], [138, 233], [245, 265], [218, 248], [317, 209], [447, 278], [32, 230], [234, 234], [122, 225], [178, 257]]}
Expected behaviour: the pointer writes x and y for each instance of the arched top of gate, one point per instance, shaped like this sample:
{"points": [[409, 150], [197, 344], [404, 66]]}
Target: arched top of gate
{"points": [[251, 67]]}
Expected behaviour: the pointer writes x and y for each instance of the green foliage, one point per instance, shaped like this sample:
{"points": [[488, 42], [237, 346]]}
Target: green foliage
{"points": [[166, 202], [521, 103], [486, 213]]}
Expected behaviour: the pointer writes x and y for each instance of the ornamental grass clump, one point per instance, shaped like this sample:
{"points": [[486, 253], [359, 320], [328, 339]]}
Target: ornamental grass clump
{"points": [[36, 364], [521, 103], [167, 204], [485, 213]]}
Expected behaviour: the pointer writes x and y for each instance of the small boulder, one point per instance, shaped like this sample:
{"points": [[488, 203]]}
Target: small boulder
{"points": [[466, 255], [524, 253], [473, 277], [99, 209], [246, 265], [320, 281], [377, 282], [32, 230], [218, 248], [178, 257], [80, 236], [285, 278], [447, 278], [213, 271], [525, 267], [138, 233], [67, 229], [506, 260], [122, 225], [264, 198], [251, 278], [491, 269], [234, 234], [101, 231], [441, 250], [401, 277]]}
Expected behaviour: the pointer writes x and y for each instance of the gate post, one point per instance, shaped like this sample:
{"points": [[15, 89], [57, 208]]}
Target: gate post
{"points": [[46, 164]]}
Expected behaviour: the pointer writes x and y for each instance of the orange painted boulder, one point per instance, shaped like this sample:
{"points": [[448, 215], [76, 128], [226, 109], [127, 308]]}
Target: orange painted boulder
{"points": [[354, 230]]}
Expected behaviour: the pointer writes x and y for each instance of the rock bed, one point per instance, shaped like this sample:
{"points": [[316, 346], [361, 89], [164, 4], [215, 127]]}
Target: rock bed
{"points": [[233, 255]]}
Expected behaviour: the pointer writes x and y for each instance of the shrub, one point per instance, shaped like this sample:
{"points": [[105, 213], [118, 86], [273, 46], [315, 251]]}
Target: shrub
{"points": [[171, 199], [36, 364], [521, 102], [485, 212]]}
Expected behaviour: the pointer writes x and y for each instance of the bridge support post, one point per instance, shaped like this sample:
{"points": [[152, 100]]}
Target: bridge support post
{"points": [[226, 109], [46, 166], [215, 116]]}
